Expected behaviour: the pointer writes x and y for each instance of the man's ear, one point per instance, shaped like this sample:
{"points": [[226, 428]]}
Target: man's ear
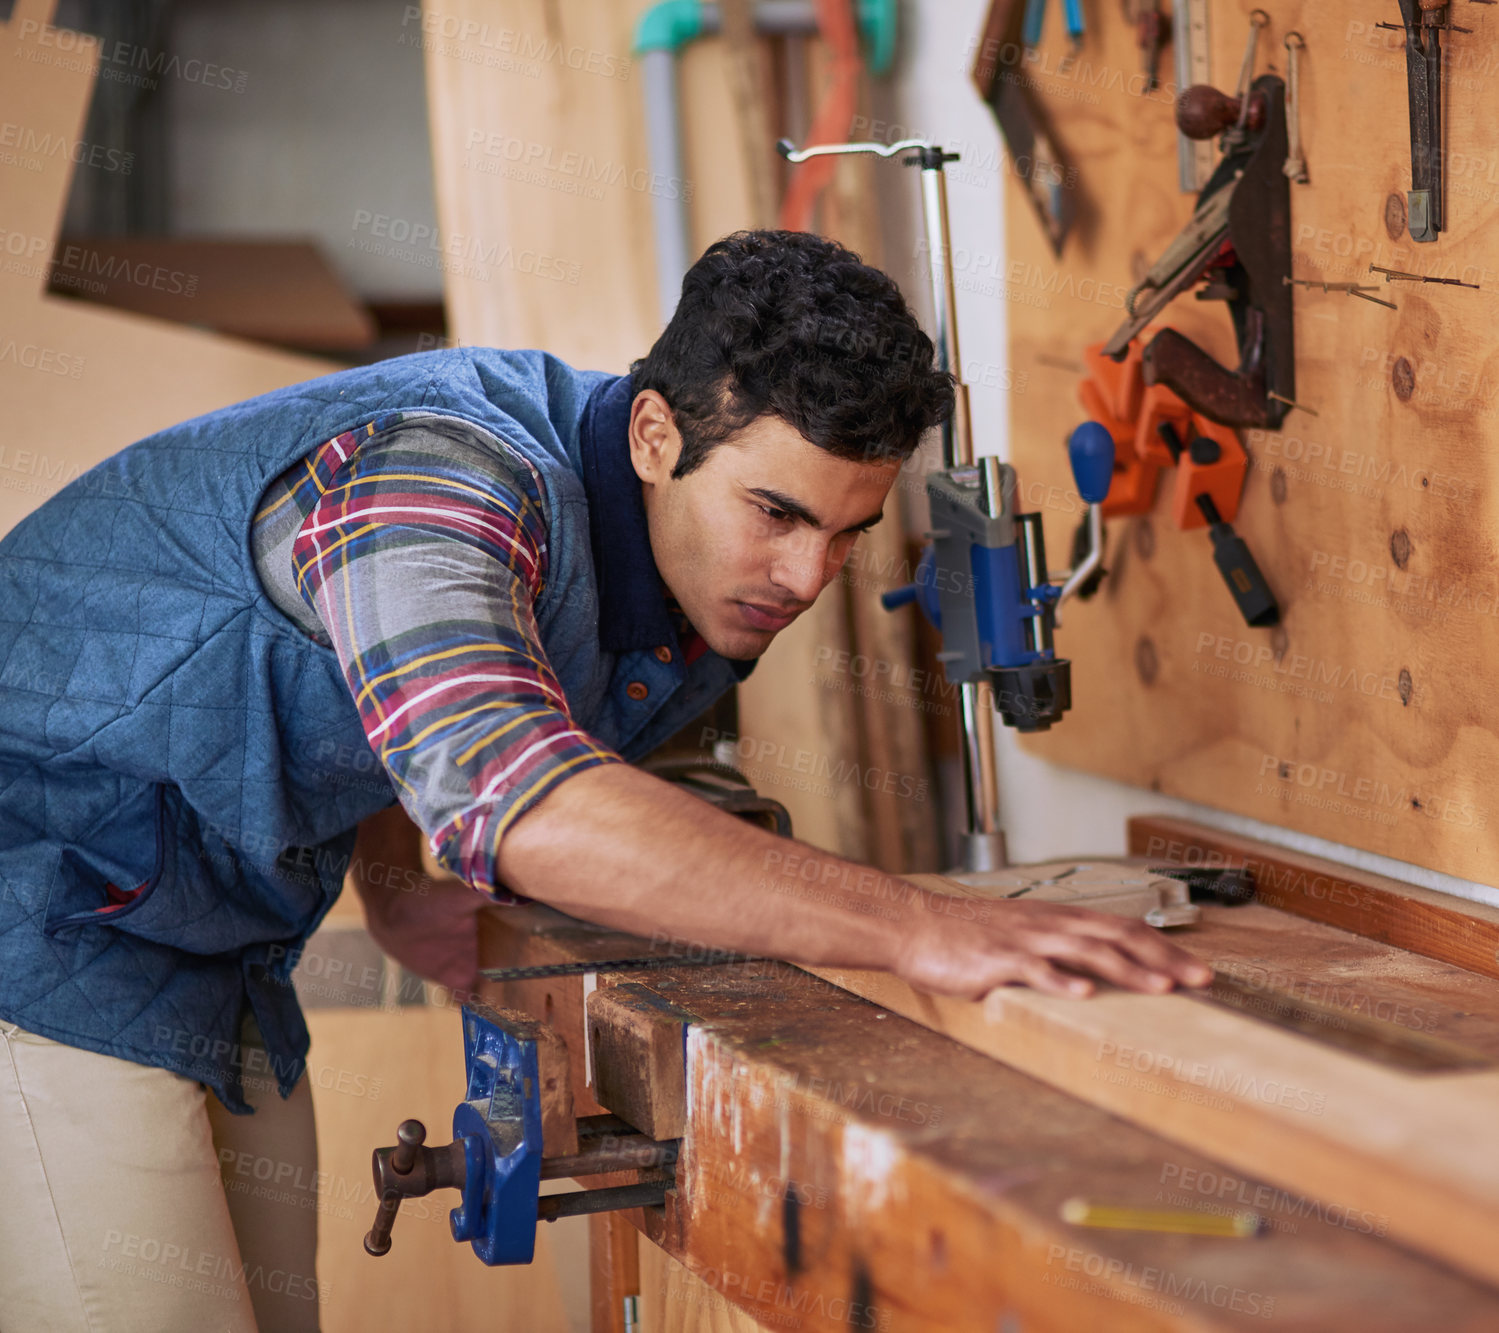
{"points": [[654, 441]]}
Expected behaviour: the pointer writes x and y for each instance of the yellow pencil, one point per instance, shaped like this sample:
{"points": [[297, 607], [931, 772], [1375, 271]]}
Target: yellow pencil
{"points": [[1180, 1221]]}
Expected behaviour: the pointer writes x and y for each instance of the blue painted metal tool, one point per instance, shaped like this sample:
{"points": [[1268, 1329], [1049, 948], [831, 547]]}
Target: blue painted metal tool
{"points": [[1035, 18], [496, 1157]]}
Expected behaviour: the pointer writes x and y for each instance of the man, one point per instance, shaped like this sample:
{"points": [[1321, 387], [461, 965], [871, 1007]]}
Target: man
{"points": [[474, 582]]}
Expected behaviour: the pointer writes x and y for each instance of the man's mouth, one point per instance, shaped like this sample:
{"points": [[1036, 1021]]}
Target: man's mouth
{"points": [[767, 618]]}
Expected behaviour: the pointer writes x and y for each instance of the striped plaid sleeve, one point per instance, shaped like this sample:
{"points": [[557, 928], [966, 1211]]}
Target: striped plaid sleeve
{"points": [[423, 557]]}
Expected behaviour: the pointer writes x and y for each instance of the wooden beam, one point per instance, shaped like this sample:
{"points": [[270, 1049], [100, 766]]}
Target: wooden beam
{"points": [[639, 1058], [1435, 925]]}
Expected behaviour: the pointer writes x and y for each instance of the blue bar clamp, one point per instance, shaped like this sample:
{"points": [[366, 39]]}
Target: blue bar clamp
{"points": [[495, 1159]]}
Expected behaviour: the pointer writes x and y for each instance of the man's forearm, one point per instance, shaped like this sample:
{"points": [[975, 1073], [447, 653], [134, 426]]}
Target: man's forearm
{"points": [[622, 848]]}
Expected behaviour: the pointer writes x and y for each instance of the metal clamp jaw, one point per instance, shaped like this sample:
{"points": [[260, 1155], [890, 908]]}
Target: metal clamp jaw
{"points": [[496, 1157]]}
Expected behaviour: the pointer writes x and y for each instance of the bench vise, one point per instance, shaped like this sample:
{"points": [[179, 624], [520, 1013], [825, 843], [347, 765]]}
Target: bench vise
{"points": [[496, 1160]]}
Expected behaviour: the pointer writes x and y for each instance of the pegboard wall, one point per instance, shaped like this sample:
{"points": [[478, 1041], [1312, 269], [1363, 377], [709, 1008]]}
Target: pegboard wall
{"points": [[1370, 714]]}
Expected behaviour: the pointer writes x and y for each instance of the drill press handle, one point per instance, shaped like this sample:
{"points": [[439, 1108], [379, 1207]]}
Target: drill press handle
{"points": [[1090, 449]]}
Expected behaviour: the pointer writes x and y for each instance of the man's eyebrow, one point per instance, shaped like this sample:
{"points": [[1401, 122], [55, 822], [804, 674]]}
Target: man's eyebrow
{"points": [[802, 514]]}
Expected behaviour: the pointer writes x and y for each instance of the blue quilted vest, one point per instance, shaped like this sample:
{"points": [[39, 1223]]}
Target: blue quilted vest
{"points": [[176, 809]]}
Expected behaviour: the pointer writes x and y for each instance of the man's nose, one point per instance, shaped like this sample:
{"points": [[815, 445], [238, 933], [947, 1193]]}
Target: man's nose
{"points": [[801, 568]]}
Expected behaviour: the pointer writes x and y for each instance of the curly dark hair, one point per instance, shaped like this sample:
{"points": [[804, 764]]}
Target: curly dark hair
{"points": [[794, 325]]}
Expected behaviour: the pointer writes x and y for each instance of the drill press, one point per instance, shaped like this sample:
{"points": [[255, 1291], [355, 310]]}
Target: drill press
{"points": [[982, 581]]}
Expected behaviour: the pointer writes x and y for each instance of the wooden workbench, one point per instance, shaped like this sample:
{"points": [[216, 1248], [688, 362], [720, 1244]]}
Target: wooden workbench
{"points": [[844, 1166]]}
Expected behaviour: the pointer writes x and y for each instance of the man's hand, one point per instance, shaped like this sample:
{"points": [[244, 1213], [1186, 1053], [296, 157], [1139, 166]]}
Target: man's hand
{"points": [[1044, 945], [430, 926]]}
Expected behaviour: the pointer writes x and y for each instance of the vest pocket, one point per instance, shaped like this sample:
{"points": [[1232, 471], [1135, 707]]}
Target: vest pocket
{"points": [[113, 866], [196, 892]]}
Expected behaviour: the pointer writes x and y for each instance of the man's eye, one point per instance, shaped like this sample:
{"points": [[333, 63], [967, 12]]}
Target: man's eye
{"points": [[775, 515]]}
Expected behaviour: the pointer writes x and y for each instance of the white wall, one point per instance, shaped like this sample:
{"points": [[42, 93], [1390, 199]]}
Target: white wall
{"points": [[1047, 810], [331, 123]]}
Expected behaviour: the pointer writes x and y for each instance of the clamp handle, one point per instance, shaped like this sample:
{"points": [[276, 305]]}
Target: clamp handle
{"points": [[409, 1171]]}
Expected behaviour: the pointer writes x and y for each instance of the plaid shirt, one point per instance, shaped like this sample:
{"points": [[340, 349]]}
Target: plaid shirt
{"points": [[416, 550]]}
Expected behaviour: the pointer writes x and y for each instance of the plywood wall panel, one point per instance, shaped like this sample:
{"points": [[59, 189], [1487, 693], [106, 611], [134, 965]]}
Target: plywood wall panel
{"points": [[1369, 716]]}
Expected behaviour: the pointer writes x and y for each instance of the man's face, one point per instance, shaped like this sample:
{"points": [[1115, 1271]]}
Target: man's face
{"points": [[747, 540]]}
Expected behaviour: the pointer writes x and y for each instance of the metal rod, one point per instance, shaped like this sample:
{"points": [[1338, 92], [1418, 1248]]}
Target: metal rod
{"points": [[622, 1155], [957, 431], [1035, 576], [664, 144], [552, 1206], [1079, 576], [980, 773]]}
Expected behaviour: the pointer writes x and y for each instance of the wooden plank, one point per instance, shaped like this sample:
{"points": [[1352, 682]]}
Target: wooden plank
{"points": [[1300, 1113], [544, 191], [614, 1270], [1435, 925], [838, 1155], [676, 1300], [639, 1058], [282, 292], [81, 383], [1370, 520]]}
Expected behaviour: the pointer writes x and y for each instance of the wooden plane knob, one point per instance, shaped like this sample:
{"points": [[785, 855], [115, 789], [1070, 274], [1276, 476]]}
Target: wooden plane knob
{"points": [[1204, 112]]}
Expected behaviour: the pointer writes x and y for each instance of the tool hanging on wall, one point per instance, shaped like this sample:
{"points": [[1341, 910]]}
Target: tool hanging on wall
{"points": [[1189, 37], [1237, 134], [1035, 21], [1359, 289], [1239, 243], [1423, 22], [1295, 167], [1151, 36], [1036, 158], [1399, 275], [1153, 429]]}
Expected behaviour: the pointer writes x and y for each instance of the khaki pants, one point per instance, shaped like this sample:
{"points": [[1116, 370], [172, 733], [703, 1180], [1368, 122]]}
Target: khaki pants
{"points": [[132, 1202]]}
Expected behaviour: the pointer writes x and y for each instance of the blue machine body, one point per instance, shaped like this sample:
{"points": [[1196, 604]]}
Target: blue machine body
{"points": [[983, 582], [1003, 604], [499, 1125]]}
